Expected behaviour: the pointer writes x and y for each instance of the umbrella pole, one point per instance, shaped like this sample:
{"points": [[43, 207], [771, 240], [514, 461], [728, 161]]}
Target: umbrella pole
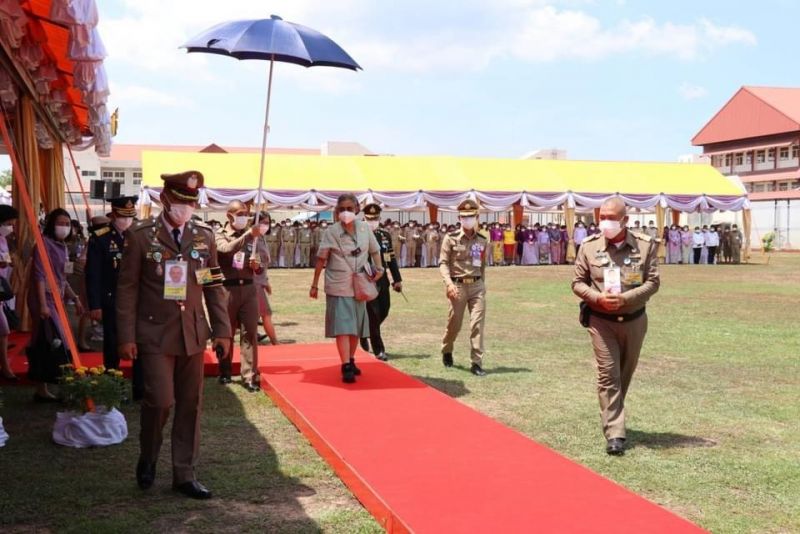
{"points": [[263, 151]]}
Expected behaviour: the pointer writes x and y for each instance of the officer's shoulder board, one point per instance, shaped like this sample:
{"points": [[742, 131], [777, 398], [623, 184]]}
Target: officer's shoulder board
{"points": [[200, 225], [101, 230], [592, 237], [481, 236], [454, 233], [643, 237], [142, 224]]}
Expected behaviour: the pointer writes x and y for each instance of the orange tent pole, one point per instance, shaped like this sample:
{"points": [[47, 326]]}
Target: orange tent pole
{"points": [[433, 212], [27, 204]]}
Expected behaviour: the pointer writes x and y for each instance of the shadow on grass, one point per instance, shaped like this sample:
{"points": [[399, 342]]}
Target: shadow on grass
{"points": [[495, 370], [452, 388], [400, 356], [286, 323], [666, 440], [237, 463]]}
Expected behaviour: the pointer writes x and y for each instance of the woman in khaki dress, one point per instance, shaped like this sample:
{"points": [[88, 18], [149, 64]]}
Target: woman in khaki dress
{"points": [[343, 250]]}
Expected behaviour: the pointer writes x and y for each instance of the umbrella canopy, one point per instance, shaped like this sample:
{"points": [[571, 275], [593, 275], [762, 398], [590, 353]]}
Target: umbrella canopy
{"points": [[272, 38]]}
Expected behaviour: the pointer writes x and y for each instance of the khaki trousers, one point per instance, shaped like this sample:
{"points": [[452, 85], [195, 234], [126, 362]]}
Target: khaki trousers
{"points": [[243, 312], [616, 352], [472, 297], [169, 380], [273, 253], [305, 254], [411, 253], [288, 253], [432, 253]]}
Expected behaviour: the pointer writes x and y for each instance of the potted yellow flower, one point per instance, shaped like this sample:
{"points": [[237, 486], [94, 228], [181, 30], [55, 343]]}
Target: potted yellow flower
{"points": [[93, 395]]}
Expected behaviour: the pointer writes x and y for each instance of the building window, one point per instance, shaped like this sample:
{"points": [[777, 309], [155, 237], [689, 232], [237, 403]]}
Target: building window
{"points": [[137, 174], [760, 156], [739, 158], [137, 181], [795, 184], [88, 173], [119, 174], [795, 151], [784, 154], [108, 174], [770, 186], [728, 160], [748, 187], [783, 186], [759, 187], [748, 158], [771, 155]]}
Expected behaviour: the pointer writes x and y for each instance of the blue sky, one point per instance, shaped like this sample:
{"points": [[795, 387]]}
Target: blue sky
{"points": [[604, 79]]}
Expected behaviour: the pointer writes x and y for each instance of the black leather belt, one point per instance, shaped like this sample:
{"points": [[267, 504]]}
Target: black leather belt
{"points": [[618, 318], [233, 282], [465, 279]]}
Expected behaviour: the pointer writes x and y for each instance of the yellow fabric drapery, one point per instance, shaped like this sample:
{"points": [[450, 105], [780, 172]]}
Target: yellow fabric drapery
{"points": [[144, 211], [53, 177], [28, 152], [746, 228], [661, 216], [569, 218]]}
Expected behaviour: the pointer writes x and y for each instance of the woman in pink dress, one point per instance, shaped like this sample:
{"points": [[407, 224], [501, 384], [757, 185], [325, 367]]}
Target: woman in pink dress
{"points": [[674, 245]]}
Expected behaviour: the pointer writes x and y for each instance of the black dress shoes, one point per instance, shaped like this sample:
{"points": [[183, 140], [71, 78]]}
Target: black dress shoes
{"points": [[615, 447], [447, 359], [145, 474], [252, 387], [477, 370], [382, 357], [193, 489], [348, 373]]}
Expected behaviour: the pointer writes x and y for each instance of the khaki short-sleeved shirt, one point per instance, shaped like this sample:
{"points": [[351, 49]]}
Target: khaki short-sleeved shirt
{"points": [[337, 247]]}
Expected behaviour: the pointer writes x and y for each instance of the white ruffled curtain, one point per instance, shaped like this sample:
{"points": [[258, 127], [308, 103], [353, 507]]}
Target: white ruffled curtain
{"points": [[492, 201]]}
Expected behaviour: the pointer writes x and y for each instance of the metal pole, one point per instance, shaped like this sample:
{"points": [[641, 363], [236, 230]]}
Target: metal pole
{"points": [[264, 138]]}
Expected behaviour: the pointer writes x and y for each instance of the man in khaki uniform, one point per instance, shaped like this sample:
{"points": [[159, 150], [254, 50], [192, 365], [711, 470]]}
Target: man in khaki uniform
{"points": [[239, 266], [431, 237], [273, 244], [288, 244], [737, 239], [304, 239], [463, 266], [396, 234], [616, 272], [167, 328], [413, 237]]}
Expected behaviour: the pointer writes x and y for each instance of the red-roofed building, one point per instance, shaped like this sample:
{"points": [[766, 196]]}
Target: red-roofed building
{"points": [[756, 136]]}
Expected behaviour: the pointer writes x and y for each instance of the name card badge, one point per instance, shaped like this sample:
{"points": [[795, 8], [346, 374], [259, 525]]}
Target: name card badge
{"points": [[632, 277], [612, 282], [238, 260], [69, 267], [477, 253], [175, 280]]}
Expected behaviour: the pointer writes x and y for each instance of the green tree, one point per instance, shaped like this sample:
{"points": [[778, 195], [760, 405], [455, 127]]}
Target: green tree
{"points": [[6, 177]]}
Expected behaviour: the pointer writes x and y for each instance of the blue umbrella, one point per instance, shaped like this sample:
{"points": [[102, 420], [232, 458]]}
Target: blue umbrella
{"points": [[272, 39]]}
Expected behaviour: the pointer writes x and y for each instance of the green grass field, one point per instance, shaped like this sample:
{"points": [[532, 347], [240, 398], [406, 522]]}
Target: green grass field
{"points": [[712, 414]]}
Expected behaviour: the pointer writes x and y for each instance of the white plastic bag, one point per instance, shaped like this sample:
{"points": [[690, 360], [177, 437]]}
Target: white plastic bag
{"points": [[92, 429]]}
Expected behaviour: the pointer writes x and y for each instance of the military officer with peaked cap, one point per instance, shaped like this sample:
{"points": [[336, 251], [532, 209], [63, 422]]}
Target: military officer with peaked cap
{"points": [[166, 326], [462, 263], [378, 309], [235, 242], [616, 273], [103, 258]]}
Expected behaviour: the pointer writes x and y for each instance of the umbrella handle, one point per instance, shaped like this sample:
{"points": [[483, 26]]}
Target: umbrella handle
{"points": [[263, 150]]}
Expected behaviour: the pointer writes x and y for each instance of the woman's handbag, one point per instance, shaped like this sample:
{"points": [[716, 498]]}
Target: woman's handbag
{"points": [[364, 289], [6, 293], [46, 354]]}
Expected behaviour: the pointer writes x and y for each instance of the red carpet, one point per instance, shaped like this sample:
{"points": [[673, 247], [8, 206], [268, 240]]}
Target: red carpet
{"points": [[19, 362], [421, 461]]}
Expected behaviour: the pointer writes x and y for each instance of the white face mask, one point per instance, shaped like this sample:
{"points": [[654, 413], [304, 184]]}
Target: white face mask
{"points": [[347, 217], [239, 222], [468, 223], [610, 229], [181, 213], [373, 225], [6, 229], [62, 232], [123, 223]]}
